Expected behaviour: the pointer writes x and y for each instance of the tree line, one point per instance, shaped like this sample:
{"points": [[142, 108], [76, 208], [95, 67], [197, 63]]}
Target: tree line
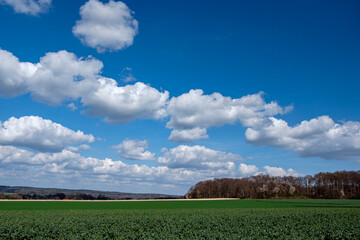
{"points": [[56, 196], [340, 184]]}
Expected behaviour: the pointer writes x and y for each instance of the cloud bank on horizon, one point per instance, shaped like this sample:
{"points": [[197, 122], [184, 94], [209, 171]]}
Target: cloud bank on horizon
{"points": [[33, 145], [181, 168]]}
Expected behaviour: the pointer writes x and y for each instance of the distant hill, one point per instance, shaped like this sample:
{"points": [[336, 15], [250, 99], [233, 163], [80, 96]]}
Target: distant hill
{"points": [[20, 190]]}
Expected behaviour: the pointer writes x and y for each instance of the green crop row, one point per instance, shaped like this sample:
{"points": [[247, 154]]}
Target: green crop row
{"points": [[182, 224], [199, 204]]}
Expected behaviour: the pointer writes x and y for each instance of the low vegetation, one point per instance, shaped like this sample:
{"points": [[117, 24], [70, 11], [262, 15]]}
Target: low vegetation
{"points": [[245, 219]]}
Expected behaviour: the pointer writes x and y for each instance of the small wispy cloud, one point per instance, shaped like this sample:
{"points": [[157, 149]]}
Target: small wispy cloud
{"points": [[127, 75], [29, 7]]}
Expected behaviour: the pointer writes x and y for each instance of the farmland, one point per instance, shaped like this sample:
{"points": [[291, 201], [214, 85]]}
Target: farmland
{"points": [[227, 219]]}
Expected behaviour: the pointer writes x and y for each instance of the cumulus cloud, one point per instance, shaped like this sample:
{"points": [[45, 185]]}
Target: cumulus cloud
{"points": [[247, 170], [68, 163], [14, 75], [14, 155], [106, 26], [122, 104], [134, 150], [318, 137], [61, 76], [198, 157], [78, 148], [40, 134], [252, 170], [68, 160], [280, 172], [188, 135], [29, 7], [196, 110], [73, 169], [9, 154]]}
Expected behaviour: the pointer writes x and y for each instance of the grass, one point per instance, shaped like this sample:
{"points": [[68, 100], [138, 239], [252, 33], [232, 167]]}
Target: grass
{"points": [[199, 204]]}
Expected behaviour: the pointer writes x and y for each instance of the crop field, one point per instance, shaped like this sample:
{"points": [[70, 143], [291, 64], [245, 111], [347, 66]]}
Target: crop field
{"points": [[228, 219]]}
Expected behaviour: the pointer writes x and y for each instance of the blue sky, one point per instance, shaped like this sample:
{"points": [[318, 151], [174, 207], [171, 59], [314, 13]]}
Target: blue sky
{"points": [[142, 96]]}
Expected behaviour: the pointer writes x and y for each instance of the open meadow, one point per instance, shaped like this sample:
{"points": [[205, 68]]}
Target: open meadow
{"points": [[202, 219]]}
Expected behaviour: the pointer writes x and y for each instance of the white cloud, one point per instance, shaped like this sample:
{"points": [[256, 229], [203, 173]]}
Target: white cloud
{"points": [[78, 148], [247, 170], [9, 154], [198, 157], [123, 104], [62, 76], [40, 134], [127, 75], [14, 74], [280, 172], [134, 150], [67, 160], [30, 7], [13, 155], [67, 163], [106, 26], [74, 170], [57, 77], [188, 135], [72, 106], [65, 156], [319, 137], [196, 110], [252, 170]]}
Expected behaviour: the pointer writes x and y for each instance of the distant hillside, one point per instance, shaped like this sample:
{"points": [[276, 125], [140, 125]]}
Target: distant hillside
{"points": [[33, 192]]}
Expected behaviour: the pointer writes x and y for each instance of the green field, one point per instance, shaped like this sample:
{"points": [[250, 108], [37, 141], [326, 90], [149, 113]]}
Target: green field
{"points": [[227, 219], [198, 204]]}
